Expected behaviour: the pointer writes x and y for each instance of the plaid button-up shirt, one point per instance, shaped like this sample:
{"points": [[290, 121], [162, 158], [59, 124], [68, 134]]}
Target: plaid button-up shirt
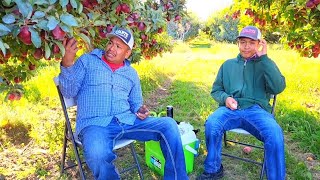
{"points": [[100, 93]]}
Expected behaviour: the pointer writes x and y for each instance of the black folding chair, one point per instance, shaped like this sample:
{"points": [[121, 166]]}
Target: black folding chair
{"points": [[69, 136], [244, 132]]}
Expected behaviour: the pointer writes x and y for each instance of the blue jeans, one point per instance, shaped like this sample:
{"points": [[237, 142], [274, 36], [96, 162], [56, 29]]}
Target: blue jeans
{"points": [[256, 121], [98, 143]]}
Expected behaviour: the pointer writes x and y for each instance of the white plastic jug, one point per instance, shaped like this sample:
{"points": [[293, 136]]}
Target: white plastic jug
{"points": [[187, 136]]}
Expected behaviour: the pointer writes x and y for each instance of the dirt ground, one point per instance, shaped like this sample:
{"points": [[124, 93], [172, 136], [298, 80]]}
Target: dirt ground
{"points": [[18, 157]]}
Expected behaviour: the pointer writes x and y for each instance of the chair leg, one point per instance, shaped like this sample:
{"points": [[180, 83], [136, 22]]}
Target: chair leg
{"points": [[63, 156], [134, 154], [78, 160], [263, 166], [225, 139]]}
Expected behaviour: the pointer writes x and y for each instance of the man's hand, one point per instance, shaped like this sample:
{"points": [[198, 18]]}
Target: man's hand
{"points": [[231, 103], [71, 49], [262, 48], [143, 112]]}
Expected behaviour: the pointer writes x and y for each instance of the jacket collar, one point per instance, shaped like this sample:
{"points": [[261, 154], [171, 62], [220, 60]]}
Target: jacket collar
{"points": [[253, 58]]}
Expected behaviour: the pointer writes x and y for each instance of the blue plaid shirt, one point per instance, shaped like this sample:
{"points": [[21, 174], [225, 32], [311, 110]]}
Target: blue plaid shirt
{"points": [[100, 93]]}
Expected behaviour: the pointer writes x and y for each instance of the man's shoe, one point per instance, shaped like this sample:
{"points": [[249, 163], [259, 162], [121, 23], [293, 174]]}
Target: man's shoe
{"points": [[211, 176]]}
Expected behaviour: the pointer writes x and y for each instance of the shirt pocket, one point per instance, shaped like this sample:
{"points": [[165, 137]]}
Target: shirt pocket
{"points": [[122, 86], [97, 77]]}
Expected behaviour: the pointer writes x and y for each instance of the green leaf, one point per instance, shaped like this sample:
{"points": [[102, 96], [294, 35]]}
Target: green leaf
{"points": [[4, 29], [52, 1], [35, 38], [85, 38], [63, 3], [68, 19], [65, 28], [3, 49], [80, 8], [52, 23], [92, 32], [25, 8], [47, 50], [43, 24], [7, 2], [38, 15], [74, 4], [61, 47], [100, 23], [40, 2], [8, 19]]}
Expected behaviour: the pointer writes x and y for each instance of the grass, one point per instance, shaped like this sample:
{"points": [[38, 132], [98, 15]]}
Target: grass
{"points": [[31, 129]]}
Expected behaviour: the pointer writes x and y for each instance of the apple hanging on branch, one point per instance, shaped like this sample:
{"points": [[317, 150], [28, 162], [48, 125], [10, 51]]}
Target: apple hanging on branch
{"points": [[297, 22], [31, 32]]}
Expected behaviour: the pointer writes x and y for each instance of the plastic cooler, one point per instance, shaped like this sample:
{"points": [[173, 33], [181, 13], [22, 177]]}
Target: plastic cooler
{"points": [[154, 157]]}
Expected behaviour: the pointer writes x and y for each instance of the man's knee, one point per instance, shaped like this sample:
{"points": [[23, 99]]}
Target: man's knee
{"points": [[275, 137], [213, 127], [99, 150]]}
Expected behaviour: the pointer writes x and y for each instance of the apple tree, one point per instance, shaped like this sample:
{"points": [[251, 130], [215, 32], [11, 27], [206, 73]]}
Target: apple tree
{"points": [[296, 22], [32, 31]]}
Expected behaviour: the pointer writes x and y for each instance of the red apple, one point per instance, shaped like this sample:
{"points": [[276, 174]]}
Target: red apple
{"points": [[160, 30], [135, 16], [32, 67], [141, 26], [58, 33], [167, 6], [146, 45], [11, 96], [177, 18], [16, 12], [168, 18], [247, 149], [25, 35], [310, 4], [144, 37], [125, 8], [56, 49], [7, 56], [24, 53], [118, 9], [316, 2], [109, 28], [130, 20], [69, 7], [87, 4], [102, 32], [38, 53], [94, 3], [17, 79], [298, 46], [154, 42]]}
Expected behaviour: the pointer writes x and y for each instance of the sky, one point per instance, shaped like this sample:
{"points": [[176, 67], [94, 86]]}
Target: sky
{"points": [[204, 8]]}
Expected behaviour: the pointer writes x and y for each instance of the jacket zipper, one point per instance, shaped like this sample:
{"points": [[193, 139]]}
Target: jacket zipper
{"points": [[244, 67]]}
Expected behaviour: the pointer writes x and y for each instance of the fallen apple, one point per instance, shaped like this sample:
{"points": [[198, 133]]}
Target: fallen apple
{"points": [[247, 150]]}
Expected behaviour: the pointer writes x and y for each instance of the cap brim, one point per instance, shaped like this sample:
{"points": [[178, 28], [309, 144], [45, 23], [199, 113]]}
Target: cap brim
{"points": [[247, 37], [114, 35]]}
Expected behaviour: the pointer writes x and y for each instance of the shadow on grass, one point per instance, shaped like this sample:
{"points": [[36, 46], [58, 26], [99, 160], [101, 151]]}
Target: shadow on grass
{"points": [[302, 125], [15, 133]]}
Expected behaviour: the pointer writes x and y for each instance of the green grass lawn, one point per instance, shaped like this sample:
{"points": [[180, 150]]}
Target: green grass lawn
{"points": [[31, 129]]}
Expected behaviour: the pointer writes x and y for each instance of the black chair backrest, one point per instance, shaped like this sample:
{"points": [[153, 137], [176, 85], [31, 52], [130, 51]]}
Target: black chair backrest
{"points": [[274, 102]]}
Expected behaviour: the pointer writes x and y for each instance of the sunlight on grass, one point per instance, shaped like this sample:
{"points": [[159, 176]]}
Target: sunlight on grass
{"points": [[192, 72]]}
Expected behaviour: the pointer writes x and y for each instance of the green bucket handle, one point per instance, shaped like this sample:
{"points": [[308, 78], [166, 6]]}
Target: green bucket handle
{"points": [[160, 114]]}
